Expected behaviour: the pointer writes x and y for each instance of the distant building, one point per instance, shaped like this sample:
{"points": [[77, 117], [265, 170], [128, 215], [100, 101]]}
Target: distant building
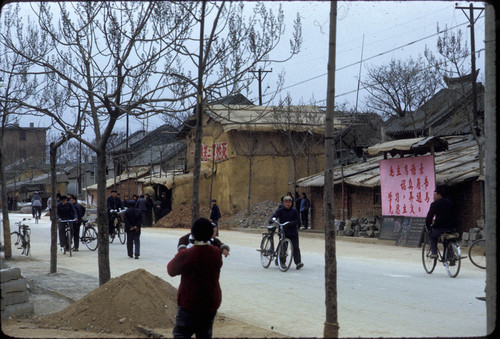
{"points": [[21, 143]]}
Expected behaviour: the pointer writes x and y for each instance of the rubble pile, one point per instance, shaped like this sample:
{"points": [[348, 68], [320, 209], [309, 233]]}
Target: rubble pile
{"points": [[359, 227], [258, 217], [473, 234]]}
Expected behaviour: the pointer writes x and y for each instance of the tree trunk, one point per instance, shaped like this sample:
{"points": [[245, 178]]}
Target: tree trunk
{"points": [[331, 326], [102, 220], [249, 195], [195, 206], [5, 210], [53, 214]]}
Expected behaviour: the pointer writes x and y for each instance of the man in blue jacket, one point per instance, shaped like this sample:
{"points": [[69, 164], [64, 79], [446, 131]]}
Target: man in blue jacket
{"points": [[288, 213], [133, 223]]}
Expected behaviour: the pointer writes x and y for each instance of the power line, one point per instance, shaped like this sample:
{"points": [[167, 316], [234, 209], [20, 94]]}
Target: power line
{"points": [[372, 57]]}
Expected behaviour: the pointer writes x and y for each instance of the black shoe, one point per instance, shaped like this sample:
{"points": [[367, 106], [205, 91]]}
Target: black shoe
{"points": [[130, 256], [75, 249], [300, 265], [136, 257]]}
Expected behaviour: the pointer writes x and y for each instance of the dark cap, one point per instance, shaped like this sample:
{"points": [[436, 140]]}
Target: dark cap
{"points": [[213, 200], [202, 229]]}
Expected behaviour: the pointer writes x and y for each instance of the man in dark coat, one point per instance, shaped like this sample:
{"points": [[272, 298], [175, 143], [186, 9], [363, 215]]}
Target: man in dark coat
{"points": [[113, 203], [133, 223], [149, 210], [142, 205], [214, 217], [289, 213], [442, 209], [80, 212], [65, 211]]}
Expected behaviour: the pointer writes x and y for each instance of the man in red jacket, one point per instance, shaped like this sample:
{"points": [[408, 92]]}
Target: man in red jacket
{"points": [[199, 295]]}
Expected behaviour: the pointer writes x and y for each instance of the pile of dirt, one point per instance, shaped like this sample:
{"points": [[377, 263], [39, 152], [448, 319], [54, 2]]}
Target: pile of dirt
{"points": [[258, 217], [137, 298], [180, 217]]}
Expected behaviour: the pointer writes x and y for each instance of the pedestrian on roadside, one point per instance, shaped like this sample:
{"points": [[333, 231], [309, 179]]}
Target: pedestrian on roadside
{"points": [[149, 211], [305, 204], [10, 202], [112, 203], [141, 205], [133, 223], [297, 207], [199, 295], [80, 212], [214, 217], [164, 205], [125, 201], [289, 213]]}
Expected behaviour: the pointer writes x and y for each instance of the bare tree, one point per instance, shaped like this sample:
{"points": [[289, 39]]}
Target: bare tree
{"points": [[11, 86], [234, 45], [400, 88], [106, 59], [452, 63]]}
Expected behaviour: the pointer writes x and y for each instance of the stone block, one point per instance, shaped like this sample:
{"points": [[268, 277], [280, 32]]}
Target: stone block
{"points": [[465, 236], [14, 286], [8, 274], [24, 310]]}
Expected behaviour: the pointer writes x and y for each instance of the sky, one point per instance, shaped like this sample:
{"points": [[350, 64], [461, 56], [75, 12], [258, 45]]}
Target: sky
{"points": [[380, 31]]}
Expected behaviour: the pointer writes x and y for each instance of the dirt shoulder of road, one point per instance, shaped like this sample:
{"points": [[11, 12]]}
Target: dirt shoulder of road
{"points": [[69, 304]]}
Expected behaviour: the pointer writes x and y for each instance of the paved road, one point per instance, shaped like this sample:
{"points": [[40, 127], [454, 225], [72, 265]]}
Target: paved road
{"points": [[382, 289]]}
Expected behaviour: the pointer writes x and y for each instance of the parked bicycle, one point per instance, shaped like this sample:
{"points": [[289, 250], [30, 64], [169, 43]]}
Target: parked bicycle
{"points": [[21, 237], [449, 253], [477, 253], [68, 230], [283, 254], [89, 235], [119, 227]]}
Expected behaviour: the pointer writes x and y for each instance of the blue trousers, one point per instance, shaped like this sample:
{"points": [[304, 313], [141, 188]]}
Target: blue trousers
{"points": [[434, 236], [133, 239], [188, 323]]}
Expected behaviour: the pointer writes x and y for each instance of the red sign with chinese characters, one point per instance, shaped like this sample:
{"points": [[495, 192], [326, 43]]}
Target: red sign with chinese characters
{"points": [[407, 185], [219, 149]]}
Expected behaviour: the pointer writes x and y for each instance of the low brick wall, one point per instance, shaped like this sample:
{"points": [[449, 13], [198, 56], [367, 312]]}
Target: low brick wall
{"points": [[15, 299]]}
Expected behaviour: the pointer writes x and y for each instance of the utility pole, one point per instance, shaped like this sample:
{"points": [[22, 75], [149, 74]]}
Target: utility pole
{"points": [[331, 326], [259, 79], [472, 21]]}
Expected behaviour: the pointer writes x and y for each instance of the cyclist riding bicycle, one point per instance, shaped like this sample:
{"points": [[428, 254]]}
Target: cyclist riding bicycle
{"points": [[288, 213], [441, 210], [36, 205], [65, 211], [112, 203]]}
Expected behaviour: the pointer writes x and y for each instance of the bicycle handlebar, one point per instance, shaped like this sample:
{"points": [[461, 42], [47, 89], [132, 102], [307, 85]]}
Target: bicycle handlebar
{"points": [[72, 220]]}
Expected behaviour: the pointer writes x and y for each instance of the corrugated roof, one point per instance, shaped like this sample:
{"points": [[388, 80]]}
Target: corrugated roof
{"points": [[420, 145], [459, 163]]}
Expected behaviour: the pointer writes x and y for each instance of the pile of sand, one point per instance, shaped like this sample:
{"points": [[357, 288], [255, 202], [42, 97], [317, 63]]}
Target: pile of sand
{"points": [[180, 217], [119, 306]]}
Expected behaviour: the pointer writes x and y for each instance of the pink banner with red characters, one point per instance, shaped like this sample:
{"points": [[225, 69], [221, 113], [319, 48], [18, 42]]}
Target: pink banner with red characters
{"points": [[407, 185]]}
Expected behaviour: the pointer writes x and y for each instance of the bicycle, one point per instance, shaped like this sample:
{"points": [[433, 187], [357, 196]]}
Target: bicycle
{"points": [[68, 230], [449, 253], [21, 237], [37, 213], [283, 254], [119, 228], [89, 235], [477, 253]]}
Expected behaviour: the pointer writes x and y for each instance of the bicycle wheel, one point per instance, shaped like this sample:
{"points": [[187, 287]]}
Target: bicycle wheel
{"points": [[428, 262], [90, 238], [285, 254], [16, 241], [121, 232], [477, 253], [27, 244], [266, 251], [452, 259]]}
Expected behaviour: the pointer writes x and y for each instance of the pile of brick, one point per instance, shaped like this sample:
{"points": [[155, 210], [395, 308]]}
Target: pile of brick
{"points": [[358, 227], [15, 300], [473, 234]]}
